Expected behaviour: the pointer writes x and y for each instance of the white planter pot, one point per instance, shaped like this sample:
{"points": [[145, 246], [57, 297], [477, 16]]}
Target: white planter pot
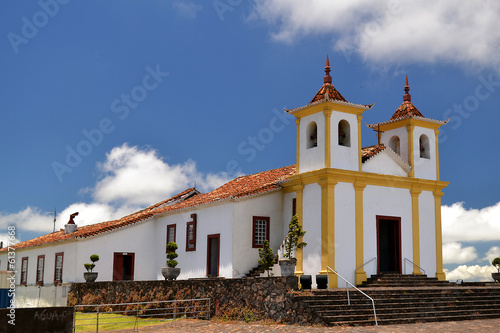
{"points": [[287, 266]]}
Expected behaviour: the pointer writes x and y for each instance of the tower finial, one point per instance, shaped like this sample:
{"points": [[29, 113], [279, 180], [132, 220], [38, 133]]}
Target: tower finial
{"points": [[328, 78], [407, 96]]}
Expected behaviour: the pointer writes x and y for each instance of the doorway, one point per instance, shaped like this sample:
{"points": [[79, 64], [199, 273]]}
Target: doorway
{"points": [[389, 244], [123, 266], [213, 253]]}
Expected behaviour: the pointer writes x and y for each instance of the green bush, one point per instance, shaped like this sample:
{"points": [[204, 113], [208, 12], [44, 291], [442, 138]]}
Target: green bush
{"points": [[171, 255]]}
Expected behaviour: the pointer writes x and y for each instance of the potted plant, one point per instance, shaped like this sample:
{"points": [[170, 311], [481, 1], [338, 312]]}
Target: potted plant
{"points": [[90, 275], [292, 243], [496, 263], [170, 272], [267, 257]]}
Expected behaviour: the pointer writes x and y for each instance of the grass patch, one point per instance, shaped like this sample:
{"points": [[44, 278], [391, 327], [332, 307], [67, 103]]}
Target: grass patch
{"points": [[111, 321]]}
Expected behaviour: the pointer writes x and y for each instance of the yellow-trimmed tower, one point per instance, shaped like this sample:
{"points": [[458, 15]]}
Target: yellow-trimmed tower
{"points": [[366, 210]]}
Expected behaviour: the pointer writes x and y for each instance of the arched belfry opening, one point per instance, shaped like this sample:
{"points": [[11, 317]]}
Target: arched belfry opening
{"points": [[344, 133], [312, 135], [424, 147], [394, 144]]}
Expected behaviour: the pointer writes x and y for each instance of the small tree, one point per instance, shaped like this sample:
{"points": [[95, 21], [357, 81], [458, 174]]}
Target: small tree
{"points": [[89, 267], [267, 257], [171, 255], [293, 238], [496, 263]]}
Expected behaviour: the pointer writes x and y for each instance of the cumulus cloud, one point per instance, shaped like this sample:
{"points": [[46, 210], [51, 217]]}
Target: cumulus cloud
{"points": [[137, 176], [394, 31], [470, 273], [470, 225], [186, 9], [454, 253], [492, 253], [130, 179]]}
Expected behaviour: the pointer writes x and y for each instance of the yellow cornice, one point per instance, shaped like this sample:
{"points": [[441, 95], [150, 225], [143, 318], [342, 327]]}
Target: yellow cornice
{"points": [[410, 122], [327, 106], [365, 178]]}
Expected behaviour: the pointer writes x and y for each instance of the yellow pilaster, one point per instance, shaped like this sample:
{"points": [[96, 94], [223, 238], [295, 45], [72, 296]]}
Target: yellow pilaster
{"points": [[328, 228], [360, 273], [297, 121], [436, 132], [359, 143], [439, 237], [299, 268], [411, 153], [415, 229], [328, 135]]}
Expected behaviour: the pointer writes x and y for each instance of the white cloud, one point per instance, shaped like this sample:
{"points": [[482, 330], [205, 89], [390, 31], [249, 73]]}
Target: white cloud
{"points": [[186, 9], [454, 253], [129, 179], [470, 225], [32, 219], [136, 176], [393, 31], [470, 273], [492, 253]]}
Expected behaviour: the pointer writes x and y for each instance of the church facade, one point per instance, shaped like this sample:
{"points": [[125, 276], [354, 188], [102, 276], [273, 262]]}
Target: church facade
{"points": [[365, 210]]}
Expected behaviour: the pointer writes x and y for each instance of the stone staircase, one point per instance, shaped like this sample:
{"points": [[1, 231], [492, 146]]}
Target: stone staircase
{"points": [[400, 280], [401, 305]]}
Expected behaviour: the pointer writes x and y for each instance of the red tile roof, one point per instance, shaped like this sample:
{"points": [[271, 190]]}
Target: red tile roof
{"points": [[370, 151], [328, 89], [241, 187], [406, 110]]}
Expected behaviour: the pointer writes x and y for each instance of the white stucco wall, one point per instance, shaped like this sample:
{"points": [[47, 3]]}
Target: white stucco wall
{"points": [[312, 225], [345, 231], [270, 205], [343, 157], [42, 296], [312, 158], [402, 133], [385, 201], [427, 224], [424, 167], [384, 164], [210, 221]]}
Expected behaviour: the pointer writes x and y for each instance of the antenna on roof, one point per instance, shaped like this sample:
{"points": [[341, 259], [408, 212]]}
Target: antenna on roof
{"points": [[55, 218]]}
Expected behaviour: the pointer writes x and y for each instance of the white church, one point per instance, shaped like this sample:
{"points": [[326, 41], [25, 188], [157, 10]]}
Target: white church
{"points": [[365, 210]]}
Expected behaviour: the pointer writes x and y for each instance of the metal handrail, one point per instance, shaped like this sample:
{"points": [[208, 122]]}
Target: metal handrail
{"points": [[366, 263], [328, 268], [411, 262]]}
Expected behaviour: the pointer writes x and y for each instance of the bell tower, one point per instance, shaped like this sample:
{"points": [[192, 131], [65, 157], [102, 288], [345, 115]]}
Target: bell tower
{"points": [[328, 130]]}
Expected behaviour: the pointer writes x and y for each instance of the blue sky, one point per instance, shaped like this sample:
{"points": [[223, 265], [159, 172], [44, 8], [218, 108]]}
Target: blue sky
{"points": [[111, 106]]}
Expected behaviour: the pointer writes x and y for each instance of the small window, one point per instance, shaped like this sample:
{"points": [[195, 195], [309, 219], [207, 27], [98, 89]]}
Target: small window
{"points": [[171, 233], [58, 268], [344, 133], [312, 135], [39, 269], [424, 147], [394, 144], [294, 207], [191, 234], [260, 231], [24, 270]]}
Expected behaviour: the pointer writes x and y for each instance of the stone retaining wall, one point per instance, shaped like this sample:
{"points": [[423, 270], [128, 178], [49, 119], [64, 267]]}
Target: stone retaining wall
{"points": [[272, 296]]}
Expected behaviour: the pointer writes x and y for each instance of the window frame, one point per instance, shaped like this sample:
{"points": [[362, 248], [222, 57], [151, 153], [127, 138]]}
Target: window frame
{"points": [[168, 234], [254, 223], [191, 224], [24, 277], [58, 254], [40, 280]]}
